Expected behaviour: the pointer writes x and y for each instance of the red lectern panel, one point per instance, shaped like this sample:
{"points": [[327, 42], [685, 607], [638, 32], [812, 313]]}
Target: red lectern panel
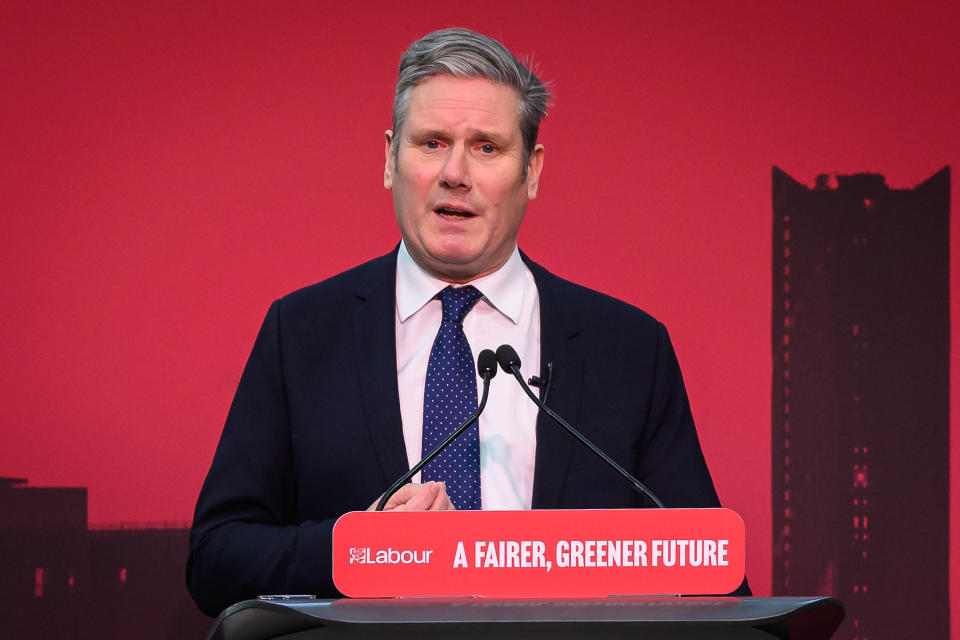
{"points": [[538, 553]]}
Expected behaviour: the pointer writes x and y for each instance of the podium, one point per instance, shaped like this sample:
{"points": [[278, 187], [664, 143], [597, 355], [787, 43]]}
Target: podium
{"points": [[535, 574], [674, 618]]}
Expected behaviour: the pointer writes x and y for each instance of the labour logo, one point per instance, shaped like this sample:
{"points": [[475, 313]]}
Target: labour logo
{"points": [[360, 555]]}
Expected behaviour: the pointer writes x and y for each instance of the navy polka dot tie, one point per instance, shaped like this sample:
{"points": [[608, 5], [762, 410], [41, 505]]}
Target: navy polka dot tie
{"points": [[449, 398]]}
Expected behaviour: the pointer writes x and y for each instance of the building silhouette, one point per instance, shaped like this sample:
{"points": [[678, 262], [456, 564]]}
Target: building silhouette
{"points": [[60, 579], [860, 405]]}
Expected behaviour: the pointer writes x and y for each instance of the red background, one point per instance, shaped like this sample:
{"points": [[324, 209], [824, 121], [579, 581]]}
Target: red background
{"points": [[170, 168]]}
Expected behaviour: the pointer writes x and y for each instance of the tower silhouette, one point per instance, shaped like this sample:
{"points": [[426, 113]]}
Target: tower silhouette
{"points": [[860, 406]]}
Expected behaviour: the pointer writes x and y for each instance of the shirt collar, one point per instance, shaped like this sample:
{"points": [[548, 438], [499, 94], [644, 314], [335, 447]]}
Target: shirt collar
{"points": [[502, 289]]}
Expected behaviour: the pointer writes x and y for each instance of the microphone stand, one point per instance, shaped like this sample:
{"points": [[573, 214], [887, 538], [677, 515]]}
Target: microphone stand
{"points": [[510, 362]]}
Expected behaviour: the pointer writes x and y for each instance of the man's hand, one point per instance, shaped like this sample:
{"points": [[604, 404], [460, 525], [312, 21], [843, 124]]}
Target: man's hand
{"points": [[430, 496]]}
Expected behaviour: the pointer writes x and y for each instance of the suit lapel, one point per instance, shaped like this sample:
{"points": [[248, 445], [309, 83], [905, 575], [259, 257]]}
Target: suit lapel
{"points": [[376, 348], [558, 344]]}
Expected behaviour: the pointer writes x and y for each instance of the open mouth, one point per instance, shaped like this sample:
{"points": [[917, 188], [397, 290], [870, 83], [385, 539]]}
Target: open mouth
{"points": [[454, 212]]}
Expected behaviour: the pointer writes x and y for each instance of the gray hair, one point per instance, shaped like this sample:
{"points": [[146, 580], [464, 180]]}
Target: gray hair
{"points": [[462, 53]]}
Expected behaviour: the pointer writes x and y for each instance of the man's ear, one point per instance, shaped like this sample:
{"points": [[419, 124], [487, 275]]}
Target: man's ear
{"points": [[388, 162], [533, 172]]}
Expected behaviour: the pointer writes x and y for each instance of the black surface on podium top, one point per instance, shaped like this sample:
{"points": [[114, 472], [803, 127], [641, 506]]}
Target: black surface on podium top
{"points": [[668, 617]]}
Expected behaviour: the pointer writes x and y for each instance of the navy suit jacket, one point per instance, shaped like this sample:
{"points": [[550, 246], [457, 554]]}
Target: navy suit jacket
{"points": [[314, 430]]}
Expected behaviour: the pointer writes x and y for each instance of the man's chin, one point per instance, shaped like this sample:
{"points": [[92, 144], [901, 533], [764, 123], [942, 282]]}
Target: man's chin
{"points": [[456, 266]]}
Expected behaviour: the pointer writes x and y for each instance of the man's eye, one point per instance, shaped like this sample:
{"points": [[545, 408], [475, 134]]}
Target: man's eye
{"points": [[487, 148], [432, 144]]}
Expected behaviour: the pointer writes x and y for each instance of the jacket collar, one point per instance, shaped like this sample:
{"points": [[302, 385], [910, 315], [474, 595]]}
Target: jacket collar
{"points": [[375, 342], [559, 330]]}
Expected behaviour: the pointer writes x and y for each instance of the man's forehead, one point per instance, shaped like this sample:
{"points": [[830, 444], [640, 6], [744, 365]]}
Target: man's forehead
{"points": [[449, 98]]}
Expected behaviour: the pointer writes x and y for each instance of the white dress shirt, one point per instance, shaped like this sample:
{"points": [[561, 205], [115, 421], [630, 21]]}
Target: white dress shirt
{"points": [[508, 313]]}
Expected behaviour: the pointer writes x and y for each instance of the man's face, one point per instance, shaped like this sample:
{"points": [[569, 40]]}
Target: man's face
{"points": [[458, 188]]}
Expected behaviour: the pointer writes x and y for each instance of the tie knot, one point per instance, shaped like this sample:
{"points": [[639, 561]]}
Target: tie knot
{"points": [[457, 302]]}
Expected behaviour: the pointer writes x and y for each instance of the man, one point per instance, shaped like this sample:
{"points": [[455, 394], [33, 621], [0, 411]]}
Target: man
{"points": [[349, 380]]}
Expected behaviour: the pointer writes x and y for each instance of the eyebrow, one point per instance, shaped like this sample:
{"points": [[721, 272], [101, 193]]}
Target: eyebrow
{"points": [[499, 140], [472, 135]]}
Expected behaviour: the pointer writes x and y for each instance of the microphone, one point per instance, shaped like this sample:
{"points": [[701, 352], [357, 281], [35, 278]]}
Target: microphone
{"points": [[510, 363], [543, 382], [486, 368]]}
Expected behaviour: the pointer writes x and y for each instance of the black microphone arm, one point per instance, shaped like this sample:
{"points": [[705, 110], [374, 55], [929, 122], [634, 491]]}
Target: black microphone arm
{"points": [[510, 362], [487, 368]]}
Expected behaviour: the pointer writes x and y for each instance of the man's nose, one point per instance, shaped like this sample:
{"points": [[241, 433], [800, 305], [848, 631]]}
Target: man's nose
{"points": [[456, 172]]}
